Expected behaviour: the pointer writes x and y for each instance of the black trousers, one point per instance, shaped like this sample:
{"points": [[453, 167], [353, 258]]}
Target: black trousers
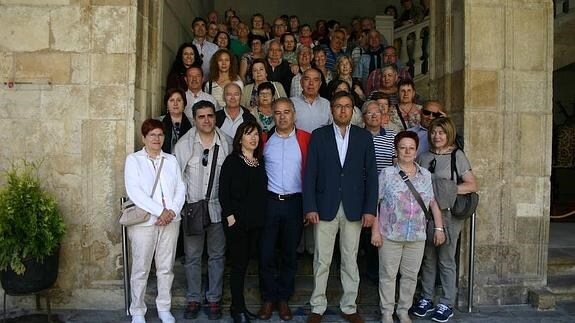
{"points": [[282, 229], [239, 241]]}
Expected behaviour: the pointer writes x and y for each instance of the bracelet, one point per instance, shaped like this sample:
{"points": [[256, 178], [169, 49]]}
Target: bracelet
{"points": [[439, 229]]}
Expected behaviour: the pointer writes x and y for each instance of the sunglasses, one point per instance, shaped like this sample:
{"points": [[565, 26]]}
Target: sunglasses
{"points": [[205, 157], [432, 166], [434, 114]]}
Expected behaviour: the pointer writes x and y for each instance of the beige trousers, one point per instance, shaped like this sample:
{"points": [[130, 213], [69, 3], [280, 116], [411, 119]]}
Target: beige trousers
{"points": [[325, 233], [158, 242], [405, 256]]}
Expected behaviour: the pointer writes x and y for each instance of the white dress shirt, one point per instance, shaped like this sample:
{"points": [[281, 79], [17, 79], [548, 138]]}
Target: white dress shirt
{"points": [[342, 142]]}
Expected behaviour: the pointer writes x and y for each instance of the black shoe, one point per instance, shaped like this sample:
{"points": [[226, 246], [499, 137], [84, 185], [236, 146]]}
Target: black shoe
{"points": [[192, 310], [240, 317], [251, 315]]}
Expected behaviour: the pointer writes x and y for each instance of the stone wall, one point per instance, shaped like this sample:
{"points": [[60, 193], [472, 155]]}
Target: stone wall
{"points": [[85, 74], [499, 91], [73, 67]]}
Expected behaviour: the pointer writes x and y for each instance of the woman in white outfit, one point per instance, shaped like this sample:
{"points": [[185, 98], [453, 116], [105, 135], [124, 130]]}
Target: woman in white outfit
{"points": [[156, 237]]}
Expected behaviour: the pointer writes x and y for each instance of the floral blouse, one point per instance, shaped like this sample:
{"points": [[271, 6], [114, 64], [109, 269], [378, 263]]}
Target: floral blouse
{"points": [[400, 216]]}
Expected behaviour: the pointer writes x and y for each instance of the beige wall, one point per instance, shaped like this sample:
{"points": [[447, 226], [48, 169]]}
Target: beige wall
{"points": [[73, 64], [499, 90]]}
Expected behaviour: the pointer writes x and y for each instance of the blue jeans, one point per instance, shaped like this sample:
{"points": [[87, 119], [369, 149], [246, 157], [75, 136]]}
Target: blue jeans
{"points": [[282, 228]]}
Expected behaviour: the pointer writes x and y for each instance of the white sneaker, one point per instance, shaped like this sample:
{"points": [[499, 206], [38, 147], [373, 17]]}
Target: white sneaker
{"points": [[166, 317], [138, 319]]}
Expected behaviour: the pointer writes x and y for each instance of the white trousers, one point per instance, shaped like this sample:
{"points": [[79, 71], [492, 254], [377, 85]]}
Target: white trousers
{"points": [[159, 243]]}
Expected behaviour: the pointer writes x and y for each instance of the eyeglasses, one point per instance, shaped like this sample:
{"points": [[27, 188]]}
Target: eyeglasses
{"points": [[373, 113], [432, 166], [265, 94], [205, 157], [434, 114]]}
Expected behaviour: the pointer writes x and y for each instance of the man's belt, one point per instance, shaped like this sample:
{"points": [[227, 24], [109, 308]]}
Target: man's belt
{"points": [[283, 197]]}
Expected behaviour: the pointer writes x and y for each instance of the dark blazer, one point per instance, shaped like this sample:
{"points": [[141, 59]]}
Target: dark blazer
{"points": [[326, 183]]}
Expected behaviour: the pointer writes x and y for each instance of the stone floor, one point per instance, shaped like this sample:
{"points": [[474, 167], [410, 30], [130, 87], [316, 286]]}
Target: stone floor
{"points": [[564, 313]]}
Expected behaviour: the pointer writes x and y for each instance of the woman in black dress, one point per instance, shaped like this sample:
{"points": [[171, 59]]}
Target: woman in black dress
{"points": [[242, 194]]}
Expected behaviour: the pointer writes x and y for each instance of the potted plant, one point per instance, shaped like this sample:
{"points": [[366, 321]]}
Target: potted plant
{"points": [[31, 229]]}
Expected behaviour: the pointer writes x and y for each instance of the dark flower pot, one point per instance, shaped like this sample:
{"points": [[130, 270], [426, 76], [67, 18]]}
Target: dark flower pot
{"points": [[37, 277]]}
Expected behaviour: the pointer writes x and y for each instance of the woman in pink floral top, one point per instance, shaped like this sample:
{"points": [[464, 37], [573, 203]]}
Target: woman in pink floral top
{"points": [[400, 230]]}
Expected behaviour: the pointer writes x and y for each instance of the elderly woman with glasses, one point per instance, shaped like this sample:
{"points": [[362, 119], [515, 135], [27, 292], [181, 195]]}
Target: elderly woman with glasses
{"points": [[442, 258], [154, 239], [400, 231]]}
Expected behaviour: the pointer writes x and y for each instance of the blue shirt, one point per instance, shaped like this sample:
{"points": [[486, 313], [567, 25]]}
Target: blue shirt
{"points": [[283, 163], [423, 141]]}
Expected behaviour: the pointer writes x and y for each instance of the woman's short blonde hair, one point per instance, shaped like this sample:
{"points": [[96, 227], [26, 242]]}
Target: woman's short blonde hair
{"points": [[447, 125]]}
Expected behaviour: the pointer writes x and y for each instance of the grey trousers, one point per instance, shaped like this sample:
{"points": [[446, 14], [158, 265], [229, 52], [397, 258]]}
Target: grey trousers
{"points": [[442, 258], [194, 249]]}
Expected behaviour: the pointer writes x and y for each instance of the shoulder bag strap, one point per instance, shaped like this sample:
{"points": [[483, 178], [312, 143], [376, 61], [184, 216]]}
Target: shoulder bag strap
{"points": [[401, 117], [415, 194], [212, 172], [454, 165], [157, 176]]}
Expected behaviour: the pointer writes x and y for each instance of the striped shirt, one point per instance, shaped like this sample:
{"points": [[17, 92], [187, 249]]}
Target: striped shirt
{"points": [[383, 144]]}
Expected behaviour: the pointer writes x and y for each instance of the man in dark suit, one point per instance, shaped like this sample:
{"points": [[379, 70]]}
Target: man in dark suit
{"points": [[339, 194]]}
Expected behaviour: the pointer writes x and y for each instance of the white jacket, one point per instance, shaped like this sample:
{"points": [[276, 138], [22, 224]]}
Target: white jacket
{"points": [[139, 177]]}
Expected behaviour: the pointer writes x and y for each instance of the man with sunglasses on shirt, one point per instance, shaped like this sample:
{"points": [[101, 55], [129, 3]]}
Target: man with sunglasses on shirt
{"points": [[195, 154], [431, 109]]}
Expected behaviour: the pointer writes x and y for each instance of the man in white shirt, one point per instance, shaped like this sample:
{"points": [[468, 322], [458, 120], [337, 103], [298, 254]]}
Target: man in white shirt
{"points": [[205, 48], [233, 114], [194, 78], [312, 111]]}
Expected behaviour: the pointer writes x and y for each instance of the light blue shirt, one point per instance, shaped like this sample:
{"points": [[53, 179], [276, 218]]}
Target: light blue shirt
{"points": [[311, 116], [423, 141], [342, 142], [283, 163]]}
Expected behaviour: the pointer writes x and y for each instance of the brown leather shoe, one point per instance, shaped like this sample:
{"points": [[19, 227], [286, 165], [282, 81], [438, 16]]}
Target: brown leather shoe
{"points": [[284, 311], [266, 311], [314, 318], [353, 318]]}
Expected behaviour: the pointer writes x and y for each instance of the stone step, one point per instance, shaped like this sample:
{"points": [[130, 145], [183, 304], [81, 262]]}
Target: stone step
{"points": [[368, 294], [560, 288], [561, 261]]}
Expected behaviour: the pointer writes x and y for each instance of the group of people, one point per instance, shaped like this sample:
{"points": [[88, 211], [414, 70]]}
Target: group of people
{"points": [[287, 164]]}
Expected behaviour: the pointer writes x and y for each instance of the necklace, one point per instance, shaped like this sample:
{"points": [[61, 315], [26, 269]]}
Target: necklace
{"points": [[250, 162], [409, 172]]}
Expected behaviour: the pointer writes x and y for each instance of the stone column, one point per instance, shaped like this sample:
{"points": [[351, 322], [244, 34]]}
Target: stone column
{"points": [[507, 119]]}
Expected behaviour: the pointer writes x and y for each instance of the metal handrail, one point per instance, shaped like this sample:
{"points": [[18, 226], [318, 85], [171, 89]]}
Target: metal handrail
{"points": [[126, 264]]}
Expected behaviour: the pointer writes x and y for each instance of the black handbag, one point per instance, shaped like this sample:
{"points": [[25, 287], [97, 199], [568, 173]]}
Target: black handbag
{"points": [[465, 204], [196, 216]]}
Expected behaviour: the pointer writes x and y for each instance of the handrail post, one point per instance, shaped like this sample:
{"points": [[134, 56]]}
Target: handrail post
{"points": [[126, 264], [471, 265]]}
